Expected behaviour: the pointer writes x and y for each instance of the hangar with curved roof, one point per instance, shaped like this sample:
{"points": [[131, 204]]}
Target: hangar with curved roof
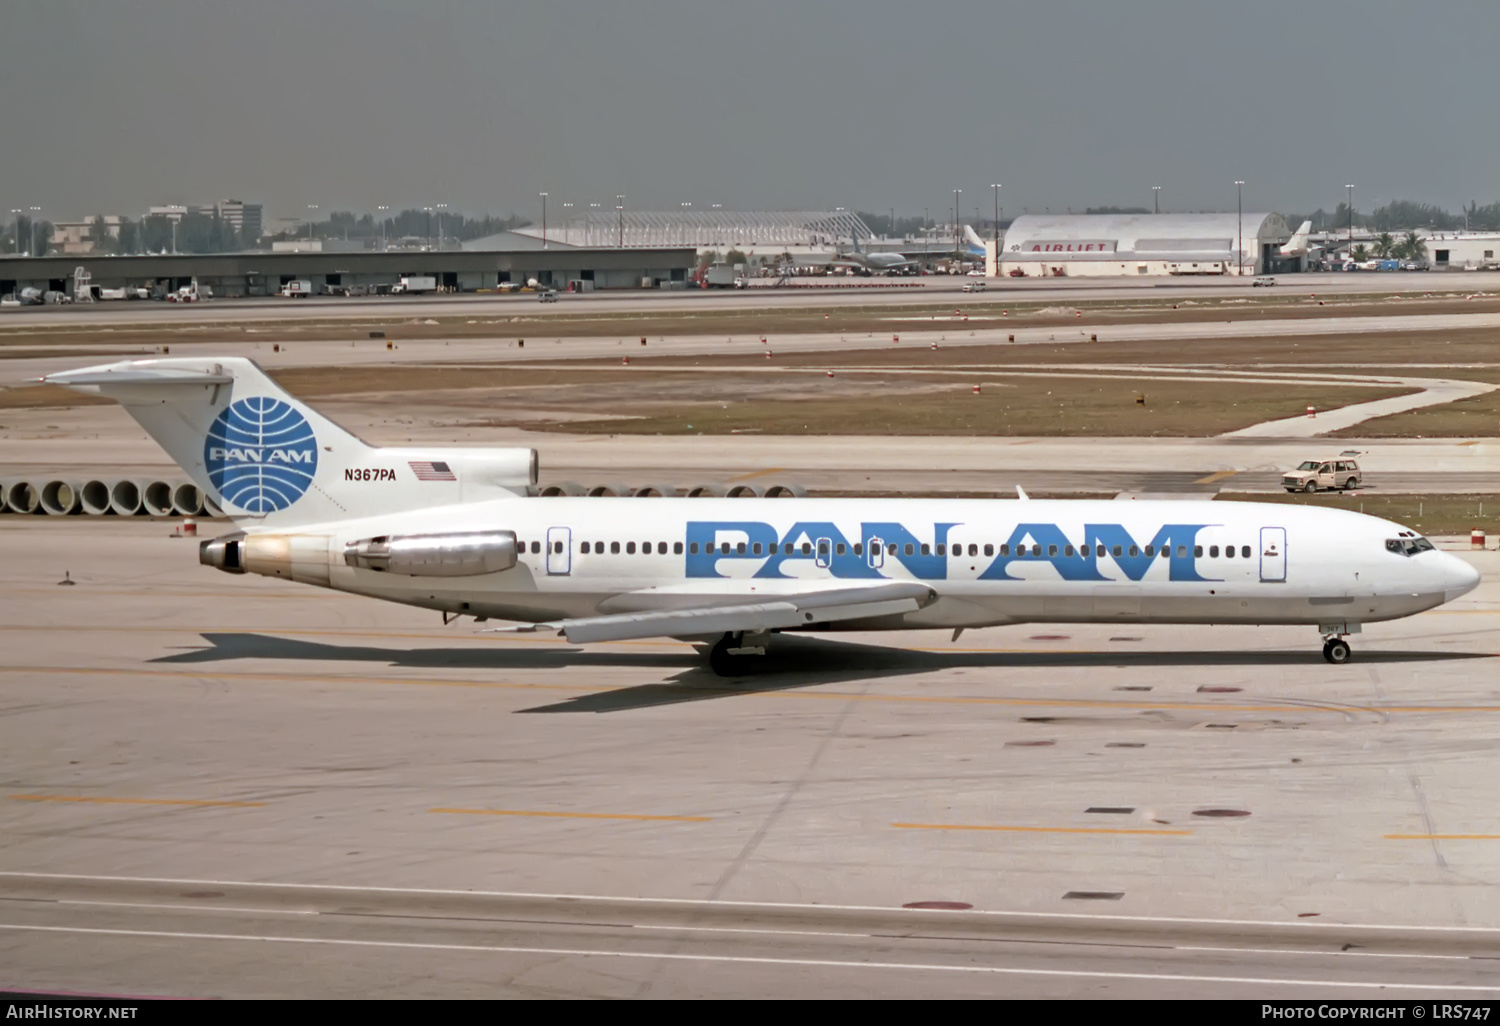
{"points": [[1112, 245]]}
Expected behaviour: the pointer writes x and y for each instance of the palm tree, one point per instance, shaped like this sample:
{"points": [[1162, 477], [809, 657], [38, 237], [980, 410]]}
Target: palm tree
{"points": [[1412, 248], [1359, 254], [1384, 246]]}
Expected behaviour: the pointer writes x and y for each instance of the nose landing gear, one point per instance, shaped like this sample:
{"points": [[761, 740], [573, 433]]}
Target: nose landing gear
{"points": [[1335, 649]]}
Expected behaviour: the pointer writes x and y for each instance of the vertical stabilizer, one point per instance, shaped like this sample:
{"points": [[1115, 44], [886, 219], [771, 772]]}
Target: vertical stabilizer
{"points": [[260, 453], [270, 460]]}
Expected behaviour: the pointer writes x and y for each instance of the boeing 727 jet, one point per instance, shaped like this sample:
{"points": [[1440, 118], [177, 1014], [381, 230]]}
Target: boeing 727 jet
{"points": [[461, 531]]}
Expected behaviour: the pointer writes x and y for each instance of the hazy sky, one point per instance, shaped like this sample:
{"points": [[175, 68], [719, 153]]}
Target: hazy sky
{"points": [[111, 106]]}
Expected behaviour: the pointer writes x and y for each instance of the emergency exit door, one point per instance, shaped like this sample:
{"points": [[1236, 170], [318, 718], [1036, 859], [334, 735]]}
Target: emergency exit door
{"points": [[1273, 554]]}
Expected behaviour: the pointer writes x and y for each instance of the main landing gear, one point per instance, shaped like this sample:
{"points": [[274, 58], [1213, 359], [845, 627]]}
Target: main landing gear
{"points": [[735, 654]]}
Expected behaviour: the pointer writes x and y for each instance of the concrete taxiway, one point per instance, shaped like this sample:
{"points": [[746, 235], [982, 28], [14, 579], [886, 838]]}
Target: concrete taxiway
{"points": [[221, 786]]}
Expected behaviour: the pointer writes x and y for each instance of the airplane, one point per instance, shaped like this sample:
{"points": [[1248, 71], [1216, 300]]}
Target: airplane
{"points": [[1297, 244], [875, 263], [461, 531]]}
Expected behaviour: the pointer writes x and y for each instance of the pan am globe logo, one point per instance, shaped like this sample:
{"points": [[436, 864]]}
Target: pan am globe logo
{"points": [[261, 454]]}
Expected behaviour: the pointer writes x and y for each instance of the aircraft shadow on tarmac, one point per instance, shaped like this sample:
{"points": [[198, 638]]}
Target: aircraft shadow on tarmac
{"points": [[791, 663]]}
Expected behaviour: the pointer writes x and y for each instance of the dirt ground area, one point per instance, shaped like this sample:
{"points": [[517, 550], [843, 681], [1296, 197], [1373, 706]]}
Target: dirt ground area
{"points": [[1430, 514], [1036, 406]]}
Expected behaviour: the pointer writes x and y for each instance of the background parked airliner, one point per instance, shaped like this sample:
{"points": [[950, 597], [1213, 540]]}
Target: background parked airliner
{"points": [[456, 530]]}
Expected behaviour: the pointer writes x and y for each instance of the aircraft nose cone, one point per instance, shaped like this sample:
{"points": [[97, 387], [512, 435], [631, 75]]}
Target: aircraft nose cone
{"points": [[1462, 579]]}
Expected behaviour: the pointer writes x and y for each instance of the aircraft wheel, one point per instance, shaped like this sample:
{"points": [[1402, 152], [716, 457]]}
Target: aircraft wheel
{"points": [[723, 663], [1336, 651]]}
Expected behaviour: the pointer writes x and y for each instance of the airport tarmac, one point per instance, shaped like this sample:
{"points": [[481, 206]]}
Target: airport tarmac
{"points": [[84, 441], [807, 291], [220, 787]]}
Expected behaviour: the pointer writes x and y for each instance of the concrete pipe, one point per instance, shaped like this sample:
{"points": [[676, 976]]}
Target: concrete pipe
{"points": [[23, 497], [745, 491], [212, 508], [706, 491], [608, 491], [552, 491], [95, 498], [5, 484], [656, 491], [786, 491], [187, 500], [156, 497], [61, 498], [125, 497]]}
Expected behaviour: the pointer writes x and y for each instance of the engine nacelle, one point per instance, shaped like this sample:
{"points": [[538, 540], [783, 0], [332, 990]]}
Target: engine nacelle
{"points": [[467, 554]]}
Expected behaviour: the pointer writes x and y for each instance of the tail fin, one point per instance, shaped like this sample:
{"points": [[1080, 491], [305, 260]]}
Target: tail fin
{"points": [[268, 459], [973, 239], [1297, 244]]}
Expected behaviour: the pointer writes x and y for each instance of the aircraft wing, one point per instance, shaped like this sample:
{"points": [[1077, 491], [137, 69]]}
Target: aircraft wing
{"points": [[822, 605]]}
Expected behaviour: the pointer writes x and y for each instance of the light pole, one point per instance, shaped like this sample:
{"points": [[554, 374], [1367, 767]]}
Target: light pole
{"points": [[1156, 199], [996, 232], [1350, 187], [955, 219], [18, 212], [37, 210], [1239, 202], [567, 223], [440, 208], [382, 210], [620, 209]]}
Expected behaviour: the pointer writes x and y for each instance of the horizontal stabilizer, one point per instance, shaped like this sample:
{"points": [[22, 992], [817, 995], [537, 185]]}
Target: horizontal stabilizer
{"points": [[790, 611], [122, 374]]}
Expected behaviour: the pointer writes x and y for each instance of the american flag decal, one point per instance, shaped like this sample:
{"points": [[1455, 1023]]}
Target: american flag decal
{"points": [[426, 471]]}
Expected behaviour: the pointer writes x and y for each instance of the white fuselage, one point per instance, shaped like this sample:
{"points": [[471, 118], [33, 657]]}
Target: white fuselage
{"points": [[986, 562]]}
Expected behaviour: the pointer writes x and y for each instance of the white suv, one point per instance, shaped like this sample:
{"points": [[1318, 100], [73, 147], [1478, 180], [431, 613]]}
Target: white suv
{"points": [[1264, 280], [1325, 475]]}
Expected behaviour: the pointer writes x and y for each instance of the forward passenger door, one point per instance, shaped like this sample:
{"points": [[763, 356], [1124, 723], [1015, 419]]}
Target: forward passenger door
{"points": [[1272, 555]]}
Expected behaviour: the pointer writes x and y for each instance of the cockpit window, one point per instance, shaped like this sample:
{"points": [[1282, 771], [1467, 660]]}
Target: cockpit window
{"points": [[1408, 546]]}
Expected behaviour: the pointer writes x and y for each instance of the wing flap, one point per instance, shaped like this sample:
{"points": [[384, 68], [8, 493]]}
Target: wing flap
{"points": [[792, 611]]}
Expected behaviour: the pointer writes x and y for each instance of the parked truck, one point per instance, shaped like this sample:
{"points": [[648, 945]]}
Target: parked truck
{"points": [[413, 283], [297, 288], [723, 276]]}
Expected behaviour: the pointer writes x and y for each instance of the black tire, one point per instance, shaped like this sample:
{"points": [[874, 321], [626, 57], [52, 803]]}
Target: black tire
{"points": [[1310, 487], [1350, 484], [1337, 651], [724, 664]]}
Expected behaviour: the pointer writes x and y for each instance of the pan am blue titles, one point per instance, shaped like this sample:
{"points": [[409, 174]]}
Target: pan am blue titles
{"points": [[462, 531]]}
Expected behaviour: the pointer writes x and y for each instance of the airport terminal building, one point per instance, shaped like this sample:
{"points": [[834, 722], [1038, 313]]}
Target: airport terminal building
{"points": [[232, 275], [1125, 245]]}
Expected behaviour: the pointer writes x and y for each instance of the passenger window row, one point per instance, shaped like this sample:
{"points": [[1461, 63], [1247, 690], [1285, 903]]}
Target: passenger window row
{"points": [[806, 548]]}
